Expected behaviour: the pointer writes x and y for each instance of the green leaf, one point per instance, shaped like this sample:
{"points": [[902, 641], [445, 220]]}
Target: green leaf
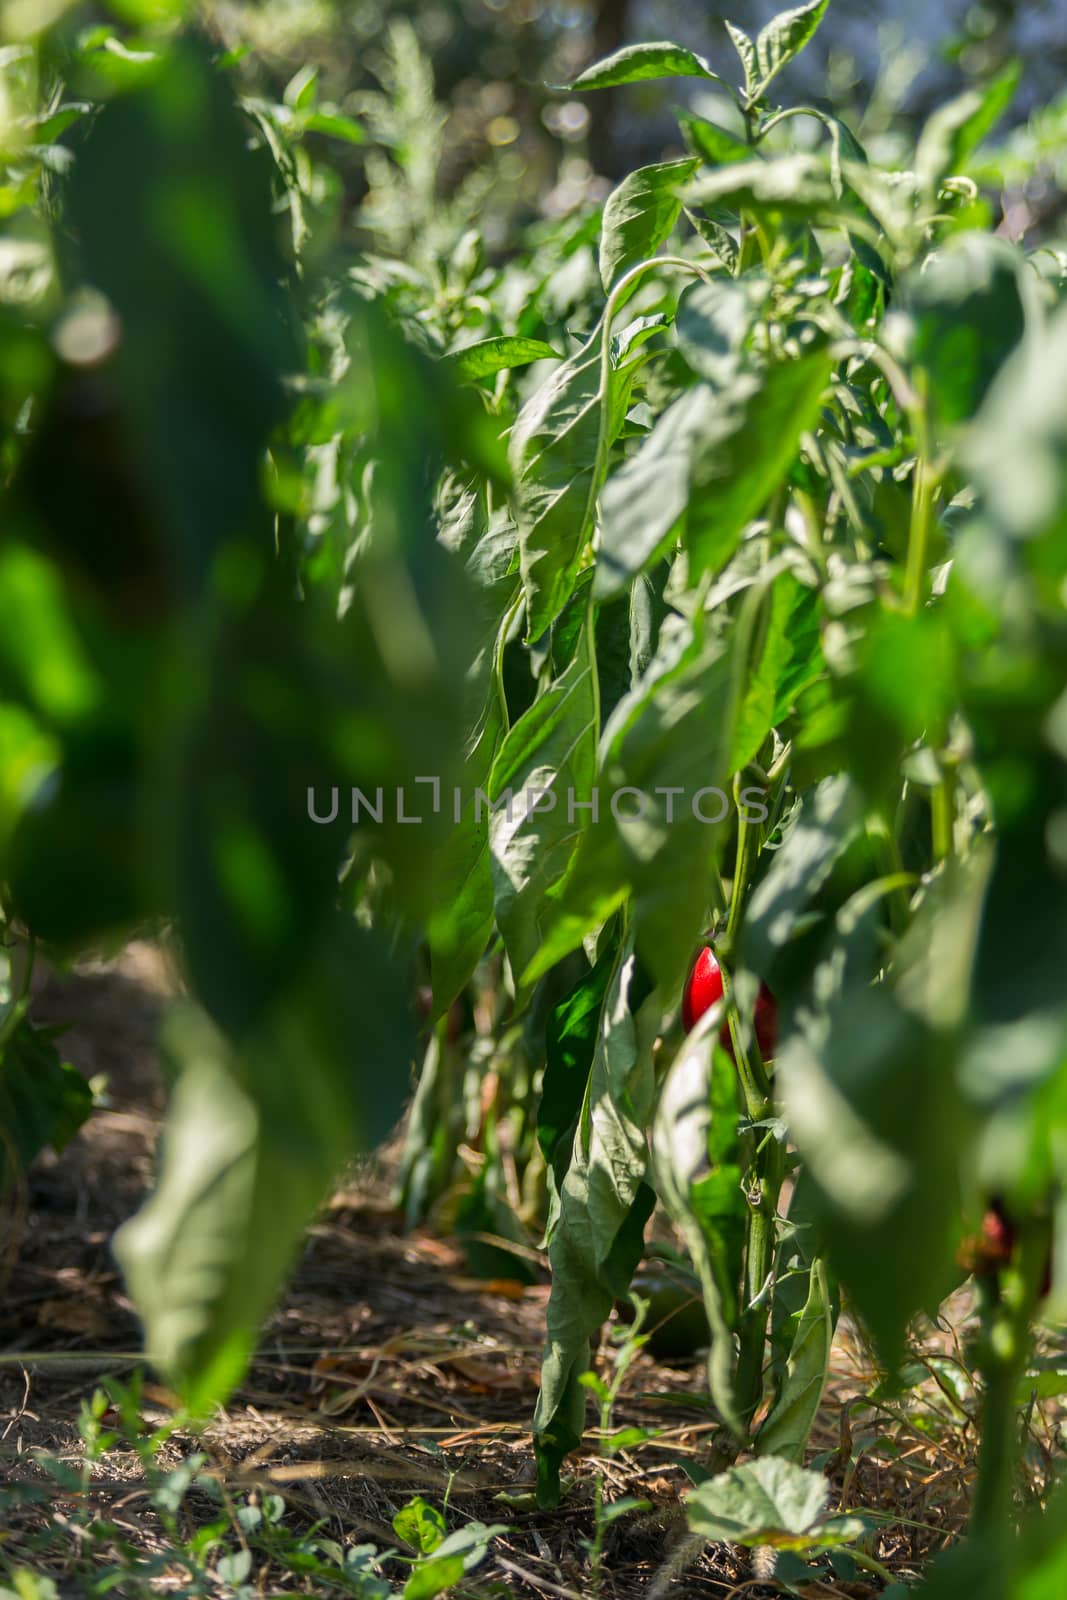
{"points": [[461, 918], [232, 1570], [968, 315], [698, 1179], [1017, 447], [746, 51], [459, 1554], [831, 817], [174, 216], [420, 1525], [954, 131], [661, 742], [765, 1502], [603, 1205], [643, 502], [713, 458], [714, 322], [251, 1142], [639, 215], [871, 1100], [784, 37], [43, 1100], [434, 1577], [712, 144], [42, 661], [623, 1508], [335, 125], [785, 1429], [570, 1039], [302, 89], [636, 63], [629, 1439], [546, 767], [487, 357], [749, 439], [792, 185], [718, 239], [773, 667], [553, 452]]}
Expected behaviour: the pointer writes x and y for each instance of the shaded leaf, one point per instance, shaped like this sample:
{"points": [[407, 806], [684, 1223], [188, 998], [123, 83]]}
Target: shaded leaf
{"points": [[698, 1179], [43, 1100], [545, 768], [603, 1206]]}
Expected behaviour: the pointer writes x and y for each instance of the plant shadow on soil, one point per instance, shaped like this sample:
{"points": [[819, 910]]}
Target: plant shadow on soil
{"points": [[385, 1373]]}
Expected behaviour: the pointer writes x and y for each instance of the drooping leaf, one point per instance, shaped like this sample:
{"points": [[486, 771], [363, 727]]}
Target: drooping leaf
{"points": [[461, 920], [775, 666], [708, 466], [831, 817], [785, 1429], [663, 806], [571, 1035], [603, 1206], [719, 240], [251, 1143], [871, 1100], [698, 1179], [668, 741], [198, 282], [644, 500], [1018, 443]]}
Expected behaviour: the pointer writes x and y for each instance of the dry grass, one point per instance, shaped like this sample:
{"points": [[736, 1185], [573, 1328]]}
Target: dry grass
{"points": [[388, 1373]]}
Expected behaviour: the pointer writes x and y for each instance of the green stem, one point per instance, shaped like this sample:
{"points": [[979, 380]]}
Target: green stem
{"points": [[862, 1559], [1004, 1352], [743, 864], [759, 1262], [755, 1084], [885, 846], [942, 817], [924, 495]]}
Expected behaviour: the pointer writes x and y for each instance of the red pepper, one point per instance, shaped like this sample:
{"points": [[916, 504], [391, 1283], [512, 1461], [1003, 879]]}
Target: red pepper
{"points": [[703, 988]]}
